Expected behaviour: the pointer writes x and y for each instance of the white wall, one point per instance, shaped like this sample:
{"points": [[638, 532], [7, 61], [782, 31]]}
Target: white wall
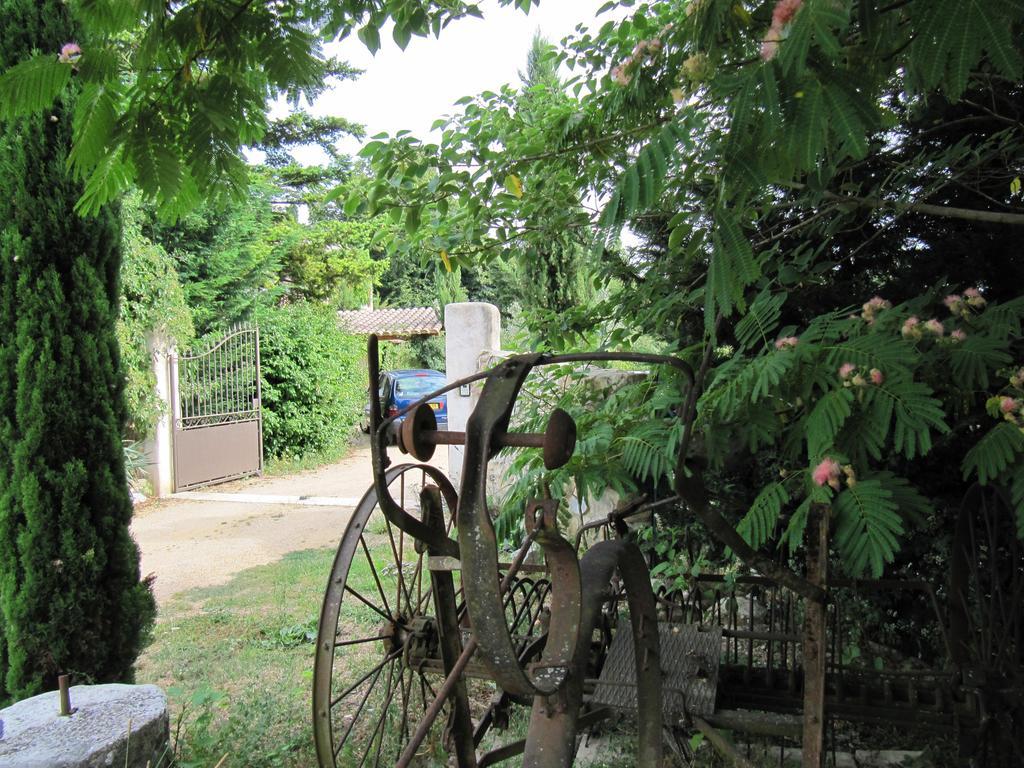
{"points": [[472, 335]]}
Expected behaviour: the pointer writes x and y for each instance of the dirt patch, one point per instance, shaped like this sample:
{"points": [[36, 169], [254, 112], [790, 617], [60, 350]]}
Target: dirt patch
{"points": [[188, 543]]}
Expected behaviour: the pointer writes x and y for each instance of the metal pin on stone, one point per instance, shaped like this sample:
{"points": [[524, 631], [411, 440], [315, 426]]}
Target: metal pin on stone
{"points": [[64, 684]]}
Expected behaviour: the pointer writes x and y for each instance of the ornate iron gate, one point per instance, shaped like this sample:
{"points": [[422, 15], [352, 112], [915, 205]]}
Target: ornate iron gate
{"points": [[215, 393]]}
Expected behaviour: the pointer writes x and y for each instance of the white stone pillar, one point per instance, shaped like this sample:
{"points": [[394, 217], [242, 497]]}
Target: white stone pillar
{"points": [[472, 335], [159, 447]]}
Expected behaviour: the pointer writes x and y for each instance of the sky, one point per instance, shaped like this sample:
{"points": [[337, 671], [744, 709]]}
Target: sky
{"points": [[410, 89]]}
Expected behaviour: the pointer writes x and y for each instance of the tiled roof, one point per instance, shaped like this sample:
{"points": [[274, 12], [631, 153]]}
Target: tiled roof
{"points": [[399, 323]]}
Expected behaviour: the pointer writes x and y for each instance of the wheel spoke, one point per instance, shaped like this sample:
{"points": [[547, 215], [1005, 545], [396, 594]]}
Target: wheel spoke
{"points": [[406, 698], [360, 641], [376, 578], [367, 603], [398, 552], [359, 711], [379, 727], [390, 657]]}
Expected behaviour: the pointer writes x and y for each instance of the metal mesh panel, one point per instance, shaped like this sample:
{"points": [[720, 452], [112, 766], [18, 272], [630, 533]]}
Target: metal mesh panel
{"points": [[689, 665]]}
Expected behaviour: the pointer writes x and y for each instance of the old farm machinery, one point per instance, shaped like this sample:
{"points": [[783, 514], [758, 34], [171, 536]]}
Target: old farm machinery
{"points": [[446, 655]]}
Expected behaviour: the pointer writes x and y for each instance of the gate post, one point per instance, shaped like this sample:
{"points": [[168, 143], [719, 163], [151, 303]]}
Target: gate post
{"points": [[160, 447], [472, 333]]}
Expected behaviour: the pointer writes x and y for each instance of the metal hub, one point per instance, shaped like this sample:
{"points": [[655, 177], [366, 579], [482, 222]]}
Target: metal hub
{"points": [[416, 638]]}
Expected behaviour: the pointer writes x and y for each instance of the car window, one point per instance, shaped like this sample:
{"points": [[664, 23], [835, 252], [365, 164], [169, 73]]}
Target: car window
{"points": [[418, 385], [383, 387]]}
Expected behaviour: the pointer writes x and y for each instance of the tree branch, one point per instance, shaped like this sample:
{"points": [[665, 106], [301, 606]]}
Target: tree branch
{"points": [[942, 211]]}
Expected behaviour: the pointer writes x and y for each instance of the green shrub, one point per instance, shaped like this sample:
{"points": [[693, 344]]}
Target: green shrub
{"points": [[314, 380], [152, 302]]}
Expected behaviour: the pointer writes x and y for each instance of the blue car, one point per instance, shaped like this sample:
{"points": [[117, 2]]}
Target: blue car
{"points": [[399, 389]]}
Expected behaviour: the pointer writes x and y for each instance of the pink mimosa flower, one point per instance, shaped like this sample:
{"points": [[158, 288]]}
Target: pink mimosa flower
{"points": [[827, 472], [787, 342], [1008, 404], [911, 328], [846, 370], [70, 53], [877, 377], [958, 335], [784, 12], [935, 327]]}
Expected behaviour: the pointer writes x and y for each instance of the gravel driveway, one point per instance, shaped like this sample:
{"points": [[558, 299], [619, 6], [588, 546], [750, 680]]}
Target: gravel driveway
{"points": [[203, 539]]}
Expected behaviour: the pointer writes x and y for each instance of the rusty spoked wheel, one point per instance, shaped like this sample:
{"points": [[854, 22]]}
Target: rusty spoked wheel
{"points": [[377, 637]]}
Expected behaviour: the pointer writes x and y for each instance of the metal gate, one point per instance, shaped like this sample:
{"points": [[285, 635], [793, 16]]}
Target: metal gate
{"points": [[215, 393]]}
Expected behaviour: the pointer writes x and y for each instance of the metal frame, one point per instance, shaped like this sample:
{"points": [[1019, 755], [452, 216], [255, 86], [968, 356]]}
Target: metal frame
{"points": [[556, 681], [787, 679], [216, 397]]}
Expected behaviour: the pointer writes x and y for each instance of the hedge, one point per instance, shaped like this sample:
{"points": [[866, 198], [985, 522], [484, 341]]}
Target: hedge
{"points": [[314, 379]]}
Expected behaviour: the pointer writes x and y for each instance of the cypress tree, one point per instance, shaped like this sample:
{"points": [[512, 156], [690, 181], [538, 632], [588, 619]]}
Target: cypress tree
{"points": [[70, 595]]}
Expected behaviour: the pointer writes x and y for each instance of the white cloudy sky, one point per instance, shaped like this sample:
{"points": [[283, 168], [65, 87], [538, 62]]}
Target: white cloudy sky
{"points": [[412, 88]]}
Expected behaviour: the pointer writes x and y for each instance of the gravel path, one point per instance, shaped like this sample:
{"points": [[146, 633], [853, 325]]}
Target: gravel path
{"points": [[190, 543]]}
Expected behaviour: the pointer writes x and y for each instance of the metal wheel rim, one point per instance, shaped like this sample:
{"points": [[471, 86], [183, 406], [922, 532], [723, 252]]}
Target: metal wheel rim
{"points": [[364, 726]]}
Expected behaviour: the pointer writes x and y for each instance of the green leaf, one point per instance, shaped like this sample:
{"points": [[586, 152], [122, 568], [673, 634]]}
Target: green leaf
{"points": [[916, 413], [993, 453], [761, 320], [975, 357], [32, 85], [412, 219], [825, 421], [808, 131], [675, 238], [95, 117], [335, 193], [352, 203], [108, 180], [825, 19], [758, 525], [794, 48], [868, 527], [641, 182], [846, 123], [630, 191], [998, 41], [401, 35], [770, 93], [370, 36], [108, 15]]}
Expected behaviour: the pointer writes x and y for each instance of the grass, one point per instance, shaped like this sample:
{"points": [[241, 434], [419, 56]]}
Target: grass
{"points": [[237, 663]]}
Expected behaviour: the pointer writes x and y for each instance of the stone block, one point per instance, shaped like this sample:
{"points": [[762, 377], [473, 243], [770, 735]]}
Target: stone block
{"points": [[113, 725]]}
